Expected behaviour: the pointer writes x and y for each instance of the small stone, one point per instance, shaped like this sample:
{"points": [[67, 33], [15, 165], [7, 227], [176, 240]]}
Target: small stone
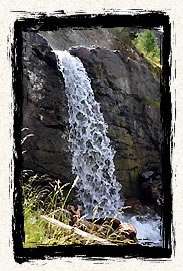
{"points": [[147, 174], [157, 177]]}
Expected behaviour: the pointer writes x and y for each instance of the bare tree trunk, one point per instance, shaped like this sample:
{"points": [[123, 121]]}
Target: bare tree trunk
{"points": [[76, 231]]}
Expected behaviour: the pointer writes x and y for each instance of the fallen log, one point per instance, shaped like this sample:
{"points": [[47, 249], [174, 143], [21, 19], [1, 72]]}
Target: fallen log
{"points": [[76, 231]]}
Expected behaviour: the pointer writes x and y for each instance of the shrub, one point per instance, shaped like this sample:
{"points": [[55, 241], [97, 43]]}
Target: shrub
{"points": [[146, 43]]}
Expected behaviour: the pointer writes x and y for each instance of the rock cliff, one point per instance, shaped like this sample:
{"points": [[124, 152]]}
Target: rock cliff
{"points": [[45, 111], [130, 101]]}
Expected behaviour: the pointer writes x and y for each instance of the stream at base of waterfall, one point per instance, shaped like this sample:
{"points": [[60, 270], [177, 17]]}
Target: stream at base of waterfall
{"points": [[92, 153]]}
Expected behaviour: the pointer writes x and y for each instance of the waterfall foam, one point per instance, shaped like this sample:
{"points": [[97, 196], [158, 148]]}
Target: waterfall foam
{"points": [[92, 154]]}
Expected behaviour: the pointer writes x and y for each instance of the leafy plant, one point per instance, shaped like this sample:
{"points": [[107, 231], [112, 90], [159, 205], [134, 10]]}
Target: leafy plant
{"points": [[147, 43], [151, 102]]}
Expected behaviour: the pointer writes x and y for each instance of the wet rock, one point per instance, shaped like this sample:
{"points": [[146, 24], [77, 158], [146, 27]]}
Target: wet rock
{"points": [[128, 231], [124, 231], [133, 206], [152, 192], [103, 227], [147, 174], [133, 203], [152, 189]]}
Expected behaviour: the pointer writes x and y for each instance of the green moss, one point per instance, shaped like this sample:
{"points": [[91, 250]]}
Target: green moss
{"points": [[121, 163], [135, 173], [151, 102], [120, 120], [127, 139], [126, 102], [125, 164], [133, 163], [123, 176], [99, 70]]}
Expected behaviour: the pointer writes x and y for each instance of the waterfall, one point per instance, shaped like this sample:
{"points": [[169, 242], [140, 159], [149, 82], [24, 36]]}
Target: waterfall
{"points": [[92, 154]]}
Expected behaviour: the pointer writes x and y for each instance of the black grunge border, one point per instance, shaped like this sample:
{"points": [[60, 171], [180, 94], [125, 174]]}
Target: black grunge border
{"points": [[43, 22]]}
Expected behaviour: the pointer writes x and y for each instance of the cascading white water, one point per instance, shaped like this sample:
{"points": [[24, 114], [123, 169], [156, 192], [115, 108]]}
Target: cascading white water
{"points": [[92, 154]]}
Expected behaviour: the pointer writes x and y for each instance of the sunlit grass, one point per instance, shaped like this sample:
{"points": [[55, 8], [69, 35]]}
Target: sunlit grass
{"points": [[39, 232], [36, 202]]}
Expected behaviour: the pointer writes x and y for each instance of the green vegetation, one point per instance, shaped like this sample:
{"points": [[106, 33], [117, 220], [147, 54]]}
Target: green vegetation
{"points": [[146, 43], [151, 102], [44, 200], [43, 196], [95, 91]]}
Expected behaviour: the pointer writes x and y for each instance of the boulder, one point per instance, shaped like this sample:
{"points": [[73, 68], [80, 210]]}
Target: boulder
{"points": [[80, 52], [134, 206], [112, 228], [152, 190], [133, 203]]}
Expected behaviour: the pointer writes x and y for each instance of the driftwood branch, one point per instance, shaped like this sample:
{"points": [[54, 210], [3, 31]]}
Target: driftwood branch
{"points": [[76, 231]]}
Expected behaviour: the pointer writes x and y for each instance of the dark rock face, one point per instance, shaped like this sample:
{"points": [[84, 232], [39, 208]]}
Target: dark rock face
{"points": [[129, 97], [44, 111], [151, 190]]}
